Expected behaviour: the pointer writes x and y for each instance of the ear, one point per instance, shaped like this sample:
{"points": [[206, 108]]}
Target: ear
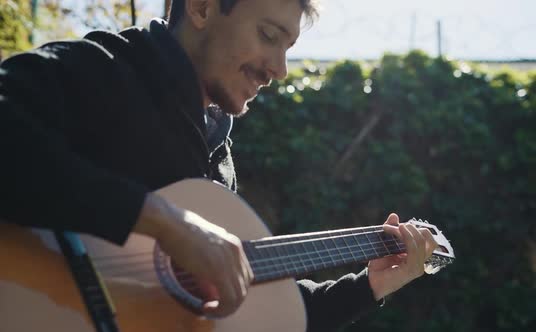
{"points": [[200, 12]]}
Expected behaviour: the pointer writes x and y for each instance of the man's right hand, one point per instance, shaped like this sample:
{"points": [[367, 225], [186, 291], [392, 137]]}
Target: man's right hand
{"points": [[205, 250]]}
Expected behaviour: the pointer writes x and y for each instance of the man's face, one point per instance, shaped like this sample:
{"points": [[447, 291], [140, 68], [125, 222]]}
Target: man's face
{"points": [[246, 50]]}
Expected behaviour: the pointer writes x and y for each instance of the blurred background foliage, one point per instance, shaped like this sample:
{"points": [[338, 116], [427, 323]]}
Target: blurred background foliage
{"points": [[345, 145], [15, 26], [425, 137], [27, 22]]}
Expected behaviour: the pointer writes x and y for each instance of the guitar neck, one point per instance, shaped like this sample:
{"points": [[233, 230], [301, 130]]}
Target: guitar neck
{"points": [[295, 255]]}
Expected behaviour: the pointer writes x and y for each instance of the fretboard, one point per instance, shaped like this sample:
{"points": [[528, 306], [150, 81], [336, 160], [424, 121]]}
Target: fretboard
{"points": [[296, 255]]}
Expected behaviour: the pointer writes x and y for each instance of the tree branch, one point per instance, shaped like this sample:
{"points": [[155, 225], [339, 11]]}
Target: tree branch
{"points": [[351, 150]]}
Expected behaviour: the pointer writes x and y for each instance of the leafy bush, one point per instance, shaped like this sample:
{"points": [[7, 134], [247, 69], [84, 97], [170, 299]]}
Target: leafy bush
{"points": [[15, 26], [422, 137]]}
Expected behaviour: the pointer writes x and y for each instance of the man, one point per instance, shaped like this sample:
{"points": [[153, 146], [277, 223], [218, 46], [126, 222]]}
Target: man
{"points": [[91, 128]]}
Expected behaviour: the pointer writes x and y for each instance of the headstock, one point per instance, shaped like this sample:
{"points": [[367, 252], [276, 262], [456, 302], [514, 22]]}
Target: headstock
{"points": [[443, 255]]}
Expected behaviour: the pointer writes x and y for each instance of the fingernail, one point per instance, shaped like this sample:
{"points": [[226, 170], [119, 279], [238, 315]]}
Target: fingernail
{"points": [[211, 305]]}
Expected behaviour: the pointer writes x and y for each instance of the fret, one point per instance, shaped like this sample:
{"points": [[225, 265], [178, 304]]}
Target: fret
{"points": [[285, 256], [323, 252], [398, 247], [277, 260], [249, 250], [342, 247], [350, 249], [262, 265], [383, 238], [357, 247], [344, 251], [334, 250], [276, 263], [372, 245], [381, 247], [330, 250], [252, 253], [365, 246], [294, 252], [393, 244], [308, 253], [387, 241], [317, 258], [286, 259]]}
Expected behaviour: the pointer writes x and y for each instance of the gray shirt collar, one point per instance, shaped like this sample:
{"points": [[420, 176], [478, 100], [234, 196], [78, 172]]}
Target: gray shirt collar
{"points": [[219, 126]]}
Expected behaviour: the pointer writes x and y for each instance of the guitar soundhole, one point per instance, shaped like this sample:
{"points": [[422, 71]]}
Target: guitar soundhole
{"points": [[188, 282], [181, 285]]}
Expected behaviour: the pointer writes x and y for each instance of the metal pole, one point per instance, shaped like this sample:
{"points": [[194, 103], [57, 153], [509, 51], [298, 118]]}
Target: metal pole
{"points": [[133, 11], [412, 31], [34, 18], [439, 51]]}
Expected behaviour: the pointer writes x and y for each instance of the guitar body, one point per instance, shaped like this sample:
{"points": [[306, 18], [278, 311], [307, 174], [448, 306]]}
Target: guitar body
{"points": [[38, 293]]}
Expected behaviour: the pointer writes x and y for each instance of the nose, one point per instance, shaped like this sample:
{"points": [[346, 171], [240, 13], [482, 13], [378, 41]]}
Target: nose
{"points": [[277, 64]]}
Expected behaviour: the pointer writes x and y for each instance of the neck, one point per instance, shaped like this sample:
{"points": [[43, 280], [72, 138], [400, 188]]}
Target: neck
{"points": [[295, 255]]}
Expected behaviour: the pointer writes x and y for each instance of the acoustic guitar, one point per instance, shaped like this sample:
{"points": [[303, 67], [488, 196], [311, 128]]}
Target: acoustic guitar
{"points": [[151, 294]]}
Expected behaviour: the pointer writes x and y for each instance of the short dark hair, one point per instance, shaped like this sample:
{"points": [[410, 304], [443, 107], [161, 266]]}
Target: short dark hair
{"points": [[176, 10]]}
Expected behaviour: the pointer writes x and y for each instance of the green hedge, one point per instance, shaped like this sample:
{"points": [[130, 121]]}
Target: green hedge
{"points": [[420, 136], [15, 26]]}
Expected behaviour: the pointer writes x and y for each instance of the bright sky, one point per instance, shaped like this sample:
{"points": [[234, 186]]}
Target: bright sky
{"points": [[471, 29]]}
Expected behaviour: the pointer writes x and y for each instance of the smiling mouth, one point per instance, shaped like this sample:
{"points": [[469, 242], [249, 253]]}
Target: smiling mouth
{"points": [[254, 85], [252, 88]]}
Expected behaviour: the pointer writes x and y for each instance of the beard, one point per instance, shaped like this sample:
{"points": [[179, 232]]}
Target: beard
{"points": [[220, 96]]}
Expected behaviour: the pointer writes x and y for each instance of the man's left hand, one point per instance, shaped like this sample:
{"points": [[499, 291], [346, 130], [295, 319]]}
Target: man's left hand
{"points": [[388, 274]]}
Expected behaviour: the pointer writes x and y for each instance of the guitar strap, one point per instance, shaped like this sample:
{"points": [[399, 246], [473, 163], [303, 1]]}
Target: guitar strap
{"points": [[93, 291]]}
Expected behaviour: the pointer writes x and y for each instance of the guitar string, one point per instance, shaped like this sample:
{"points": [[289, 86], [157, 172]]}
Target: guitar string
{"points": [[285, 271], [272, 241], [329, 249], [313, 261], [320, 234], [256, 261], [123, 264], [327, 261], [347, 251], [97, 259], [315, 235], [189, 278], [259, 275], [320, 254], [335, 248], [273, 261], [122, 256], [189, 283]]}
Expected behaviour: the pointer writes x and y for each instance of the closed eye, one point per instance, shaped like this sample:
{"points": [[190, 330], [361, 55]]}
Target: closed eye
{"points": [[270, 38]]}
